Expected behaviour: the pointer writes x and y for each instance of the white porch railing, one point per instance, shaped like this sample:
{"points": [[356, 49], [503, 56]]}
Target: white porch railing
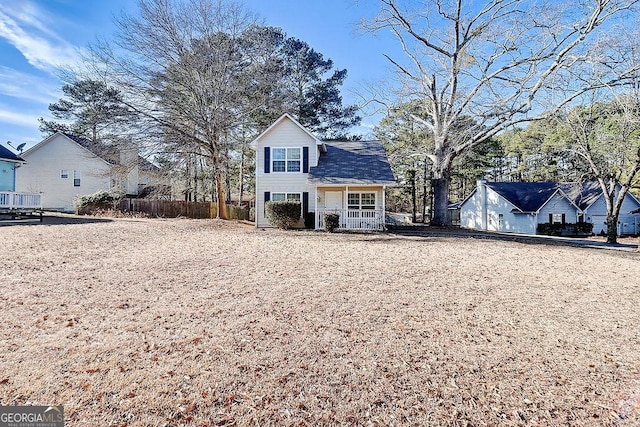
{"points": [[20, 201], [355, 219]]}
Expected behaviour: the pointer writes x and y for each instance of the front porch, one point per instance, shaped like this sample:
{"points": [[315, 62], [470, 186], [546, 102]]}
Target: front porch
{"points": [[355, 219], [360, 207]]}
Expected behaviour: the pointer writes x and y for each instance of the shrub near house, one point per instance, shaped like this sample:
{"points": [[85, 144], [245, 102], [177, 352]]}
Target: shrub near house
{"points": [[580, 229], [102, 200], [283, 214]]}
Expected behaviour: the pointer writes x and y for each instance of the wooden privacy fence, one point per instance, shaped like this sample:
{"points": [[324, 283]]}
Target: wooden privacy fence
{"points": [[178, 208]]}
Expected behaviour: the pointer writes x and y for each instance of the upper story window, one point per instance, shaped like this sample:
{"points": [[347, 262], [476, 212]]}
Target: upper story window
{"points": [[64, 173], [286, 159], [76, 178]]}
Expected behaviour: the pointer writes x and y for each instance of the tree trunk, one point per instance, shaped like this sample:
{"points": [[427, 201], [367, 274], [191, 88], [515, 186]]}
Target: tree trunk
{"points": [[424, 192], [220, 185], [227, 177], [195, 178], [187, 190], [241, 178], [440, 187], [414, 208], [612, 229]]}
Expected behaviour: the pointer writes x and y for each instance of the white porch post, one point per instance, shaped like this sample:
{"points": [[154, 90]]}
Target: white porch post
{"points": [[345, 207], [384, 205], [315, 201]]}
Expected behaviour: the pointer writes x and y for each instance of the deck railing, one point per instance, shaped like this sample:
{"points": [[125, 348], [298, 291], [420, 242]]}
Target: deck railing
{"points": [[13, 201], [355, 219]]}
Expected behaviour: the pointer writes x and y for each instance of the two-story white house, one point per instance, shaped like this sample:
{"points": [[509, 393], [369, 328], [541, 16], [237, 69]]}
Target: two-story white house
{"points": [[344, 177], [64, 166]]}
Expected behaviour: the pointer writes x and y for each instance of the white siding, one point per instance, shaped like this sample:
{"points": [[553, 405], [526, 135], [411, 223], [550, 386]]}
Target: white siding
{"points": [[471, 215], [558, 204], [285, 134], [41, 173], [629, 223]]}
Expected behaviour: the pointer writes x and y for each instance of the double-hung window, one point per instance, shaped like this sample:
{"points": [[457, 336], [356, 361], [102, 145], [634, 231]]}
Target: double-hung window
{"points": [[76, 178], [286, 159], [64, 174], [289, 197], [361, 201], [557, 218]]}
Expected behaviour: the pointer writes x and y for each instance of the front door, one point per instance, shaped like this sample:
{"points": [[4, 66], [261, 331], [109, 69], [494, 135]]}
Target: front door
{"points": [[333, 200]]}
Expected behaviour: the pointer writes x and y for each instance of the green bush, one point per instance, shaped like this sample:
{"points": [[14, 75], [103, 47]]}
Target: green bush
{"points": [[100, 201], [567, 229], [283, 214], [331, 222]]}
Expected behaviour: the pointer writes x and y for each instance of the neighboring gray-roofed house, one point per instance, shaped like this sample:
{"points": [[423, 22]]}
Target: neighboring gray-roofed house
{"points": [[525, 196], [6, 154], [344, 177], [589, 198], [518, 207]]}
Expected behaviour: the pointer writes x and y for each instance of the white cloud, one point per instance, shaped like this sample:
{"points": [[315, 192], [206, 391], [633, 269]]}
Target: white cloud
{"points": [[18, 118], [28, 87], [25, 27]]}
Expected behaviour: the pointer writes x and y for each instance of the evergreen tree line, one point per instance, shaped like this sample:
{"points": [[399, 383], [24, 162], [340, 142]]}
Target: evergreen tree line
{"points": [[579, 144]]}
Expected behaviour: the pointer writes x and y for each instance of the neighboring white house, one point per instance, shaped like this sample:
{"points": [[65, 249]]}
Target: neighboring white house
{"points": [[344, 177], [593, 208], [518, 207], [63, 167]]}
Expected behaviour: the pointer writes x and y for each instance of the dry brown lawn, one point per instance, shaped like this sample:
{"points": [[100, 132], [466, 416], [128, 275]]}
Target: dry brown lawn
{"points": [[207, 323]]}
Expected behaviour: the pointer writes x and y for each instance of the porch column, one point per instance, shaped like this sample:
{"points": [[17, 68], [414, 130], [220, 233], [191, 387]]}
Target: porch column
{"points": [[345, 207], [315, 202], [384, 205]]}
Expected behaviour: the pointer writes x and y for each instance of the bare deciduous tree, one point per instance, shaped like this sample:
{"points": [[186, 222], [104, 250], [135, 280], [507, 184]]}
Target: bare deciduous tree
{"points": [[188, 68], [499, 62], [605, 136]]}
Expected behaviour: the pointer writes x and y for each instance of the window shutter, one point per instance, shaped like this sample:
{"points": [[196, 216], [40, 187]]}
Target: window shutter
{"points": [[305, 160], [267, 160], [267, 197], [305, 204]]}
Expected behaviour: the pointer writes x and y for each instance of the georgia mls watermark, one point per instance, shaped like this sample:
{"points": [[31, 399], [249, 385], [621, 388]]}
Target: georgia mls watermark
{"points": [[31, 416]]}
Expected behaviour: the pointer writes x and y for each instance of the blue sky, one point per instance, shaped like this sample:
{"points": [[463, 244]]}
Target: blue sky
{"points": [[39, 37]]}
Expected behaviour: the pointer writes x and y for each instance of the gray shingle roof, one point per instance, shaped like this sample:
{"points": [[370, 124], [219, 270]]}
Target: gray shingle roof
{"points": [[582, 195], [526, 196], [530, 196], [6, 154], [352, 162]]}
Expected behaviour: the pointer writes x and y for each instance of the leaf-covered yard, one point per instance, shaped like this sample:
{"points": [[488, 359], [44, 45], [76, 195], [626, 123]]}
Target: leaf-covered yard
{"points": [[186, 322]]}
